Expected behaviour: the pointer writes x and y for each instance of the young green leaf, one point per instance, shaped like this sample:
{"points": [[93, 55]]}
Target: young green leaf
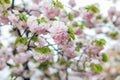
{"points": [[71, 33], [7, 1], [92, 8], [96, 67], [104, 57], [70, 16], [17, 40], [43, 50]]}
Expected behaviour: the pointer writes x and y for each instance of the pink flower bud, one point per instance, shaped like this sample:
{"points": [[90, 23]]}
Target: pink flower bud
{"points": [[72, 3]]}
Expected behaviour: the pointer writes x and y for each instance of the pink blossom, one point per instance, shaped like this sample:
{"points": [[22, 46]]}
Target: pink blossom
{"points": [[72, 3], [35, 27], [77, 31], [36, 1], [69, 52], [2, 64], [41, 42], [93, 49], [34, 10], [20, 58], [59, 32], [98, 30], [75, 13], [50, 11], [88, 23], [21, 48], [18, 70], [4, 19], [27, 74], [117, 22], [41, 57], [111, 11], [117, 13], [87, 15], [23, 24], [42, 29]]}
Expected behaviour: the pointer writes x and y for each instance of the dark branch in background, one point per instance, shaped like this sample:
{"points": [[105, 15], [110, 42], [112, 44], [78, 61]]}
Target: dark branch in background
{"points": [[26, 68], [12, 5], [28, 45], [18, 31]]}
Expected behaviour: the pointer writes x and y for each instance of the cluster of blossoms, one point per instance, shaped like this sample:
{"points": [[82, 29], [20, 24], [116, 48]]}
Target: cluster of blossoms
{"points": [[50, 41]]}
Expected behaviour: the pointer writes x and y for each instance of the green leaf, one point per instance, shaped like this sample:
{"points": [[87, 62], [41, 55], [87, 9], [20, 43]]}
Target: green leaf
{"points": [[57, 3], [92, 8], [24, 40], [4, 12], [22, 17], [34, 38], [17, 40], [20, 40], [53, 19], [104, 57], [43, 20], [79, 44], [77, 49], [1, 44], [69, 63], [45, 65], [7, 1], [55, 74], [82, 24], [61, 61], [70, 16], [43, 50], [2, 2], [71, 33], [38, 20], [99, 42], [12, 75], [96, 67], [113, 34], [75, 24], [99, 17]]}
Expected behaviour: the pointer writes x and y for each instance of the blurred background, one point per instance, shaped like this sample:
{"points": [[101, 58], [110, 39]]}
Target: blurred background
{"points": [[112, 48]]}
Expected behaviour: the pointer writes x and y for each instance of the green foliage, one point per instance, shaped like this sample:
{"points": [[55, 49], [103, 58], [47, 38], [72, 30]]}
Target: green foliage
{"points": [[7, 1], [104, 57], [99, 17], [70, 16], [43, 50], [92, 8], [3, 2], [22, 40], [1, 44], [99, 42], [79, 44], [34, 38], [17, 40], [82, 24], [45, 65], [53, 19], [57, 3], [22, 17], [4, 12], [71, 32], [77, 49], [62, 61], [113, 34], [41, 20], [75, 24], [96, 67]]}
